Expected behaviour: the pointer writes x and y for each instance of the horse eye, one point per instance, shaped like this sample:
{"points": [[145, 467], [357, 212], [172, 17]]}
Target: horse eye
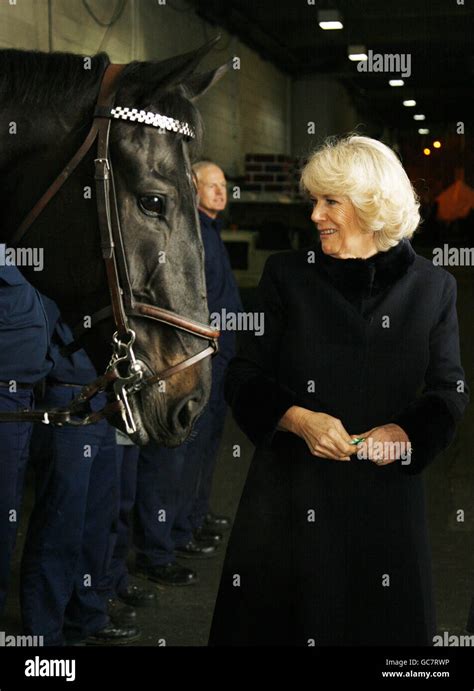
{"points": [[152, 205]]}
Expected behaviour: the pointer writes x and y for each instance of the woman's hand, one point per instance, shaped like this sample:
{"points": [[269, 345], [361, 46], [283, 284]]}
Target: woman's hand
{"points": [[382, 450], [325, 435]]}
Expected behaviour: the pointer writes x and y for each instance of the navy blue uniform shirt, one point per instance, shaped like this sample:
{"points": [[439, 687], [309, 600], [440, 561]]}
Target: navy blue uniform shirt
{"points": [[71, 369], [23, 330], [222, 290]]}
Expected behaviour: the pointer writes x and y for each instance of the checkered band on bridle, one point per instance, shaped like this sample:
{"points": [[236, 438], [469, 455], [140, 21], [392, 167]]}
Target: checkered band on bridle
{"points": [[147, 117]]}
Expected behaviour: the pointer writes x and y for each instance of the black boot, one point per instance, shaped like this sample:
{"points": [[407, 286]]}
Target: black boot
{"points": [[135, 596], [172, 574], [215, 522], [113, 635], [121, 614]]}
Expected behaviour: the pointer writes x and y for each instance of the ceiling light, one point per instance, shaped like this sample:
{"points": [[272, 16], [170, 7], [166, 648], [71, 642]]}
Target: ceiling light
{"points": [[437, 144], [423, 130], [419, 116], [427, 151], [409, 103], [330, 20], [396, 82], [357, 53]]}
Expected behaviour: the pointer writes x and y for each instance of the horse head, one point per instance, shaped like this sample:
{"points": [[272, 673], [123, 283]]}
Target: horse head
{"points": [[156, 207]]}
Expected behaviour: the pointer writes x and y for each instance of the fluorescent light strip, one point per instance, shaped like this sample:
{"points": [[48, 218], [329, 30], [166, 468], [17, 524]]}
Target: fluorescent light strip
{"points": [[331, 26]]}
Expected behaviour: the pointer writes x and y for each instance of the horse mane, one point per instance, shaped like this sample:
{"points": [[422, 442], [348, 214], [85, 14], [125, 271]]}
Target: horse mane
{"points": [[45, 79]]}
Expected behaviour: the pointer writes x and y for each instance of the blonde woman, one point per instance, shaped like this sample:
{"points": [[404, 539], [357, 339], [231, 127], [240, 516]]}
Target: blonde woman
{"points": [[355, 386]]}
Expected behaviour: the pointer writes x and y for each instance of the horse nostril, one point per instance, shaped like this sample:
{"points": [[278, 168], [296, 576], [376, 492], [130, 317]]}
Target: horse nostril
{"points": [[186, 412], [183, 416]]}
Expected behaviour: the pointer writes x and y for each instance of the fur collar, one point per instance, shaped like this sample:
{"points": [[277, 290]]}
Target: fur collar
{"points": [[372, 275]]}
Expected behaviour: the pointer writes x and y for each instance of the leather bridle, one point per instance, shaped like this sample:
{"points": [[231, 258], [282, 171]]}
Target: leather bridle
{"points": [[124, 373]]}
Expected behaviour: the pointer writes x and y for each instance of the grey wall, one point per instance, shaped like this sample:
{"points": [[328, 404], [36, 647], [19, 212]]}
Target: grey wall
{"points": [[256, 109], [246, 112], [323, 102]]}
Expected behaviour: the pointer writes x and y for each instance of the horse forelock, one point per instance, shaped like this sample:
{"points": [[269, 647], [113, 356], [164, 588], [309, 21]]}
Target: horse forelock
{"points": [[170, 100]]}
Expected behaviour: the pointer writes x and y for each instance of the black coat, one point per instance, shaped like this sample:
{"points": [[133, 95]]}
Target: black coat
{"points": [[321, 550]]}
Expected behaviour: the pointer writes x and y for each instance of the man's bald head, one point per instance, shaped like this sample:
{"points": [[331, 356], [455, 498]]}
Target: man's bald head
{"points": [[212, 187]]}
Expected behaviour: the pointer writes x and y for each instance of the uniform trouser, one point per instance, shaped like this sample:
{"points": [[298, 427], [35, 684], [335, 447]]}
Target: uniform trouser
{"points": [[161, 489], [116, 580], [67, 549], [206, 448], [14, 443], [173, 489]]}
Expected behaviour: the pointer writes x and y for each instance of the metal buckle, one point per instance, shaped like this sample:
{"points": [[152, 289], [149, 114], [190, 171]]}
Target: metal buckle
{"points": [[102, 160], [131, 382], [121, 394], [102, 168]]}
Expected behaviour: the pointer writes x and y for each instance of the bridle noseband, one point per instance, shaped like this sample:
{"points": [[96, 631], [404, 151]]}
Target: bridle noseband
{"points": [[125, 373]]}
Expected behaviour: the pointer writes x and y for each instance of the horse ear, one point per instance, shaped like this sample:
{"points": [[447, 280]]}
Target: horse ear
{"points": [[166, 73], [197, 84]]}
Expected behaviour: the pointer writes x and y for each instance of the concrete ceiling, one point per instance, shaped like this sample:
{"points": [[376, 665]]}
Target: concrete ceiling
{"points": [[438, 35]]}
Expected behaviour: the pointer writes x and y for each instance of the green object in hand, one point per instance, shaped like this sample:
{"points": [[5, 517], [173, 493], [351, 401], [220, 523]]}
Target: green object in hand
{"points": [[357, 440]]}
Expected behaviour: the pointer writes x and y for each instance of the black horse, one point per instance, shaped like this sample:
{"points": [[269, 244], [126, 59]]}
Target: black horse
{"points": [[46, 109]]}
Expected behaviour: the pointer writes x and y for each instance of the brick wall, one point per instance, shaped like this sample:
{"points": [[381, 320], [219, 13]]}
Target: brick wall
{"points": [[275, 173], [270, 173]]}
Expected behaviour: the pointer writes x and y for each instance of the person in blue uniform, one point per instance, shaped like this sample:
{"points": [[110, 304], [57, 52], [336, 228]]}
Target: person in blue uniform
{"points": [[172, 512], [67, 547], [23, 362], [117, 578], [222, 294]]}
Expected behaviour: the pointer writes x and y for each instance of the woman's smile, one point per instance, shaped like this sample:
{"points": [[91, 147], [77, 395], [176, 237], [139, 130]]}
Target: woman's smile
{"points": [[323, 232]]}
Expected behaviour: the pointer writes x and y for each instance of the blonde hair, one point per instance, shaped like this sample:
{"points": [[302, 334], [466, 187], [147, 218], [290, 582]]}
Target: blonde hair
{"points": [[370, 174]]}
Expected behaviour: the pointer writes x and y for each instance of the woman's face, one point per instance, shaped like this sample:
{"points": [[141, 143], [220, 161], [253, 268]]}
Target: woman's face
{"points": [[339, 228]]}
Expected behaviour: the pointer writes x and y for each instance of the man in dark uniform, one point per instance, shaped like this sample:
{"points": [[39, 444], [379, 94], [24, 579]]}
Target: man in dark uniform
{"points": [[67, 548], [24, 345], [172, 512], [222, 294]]}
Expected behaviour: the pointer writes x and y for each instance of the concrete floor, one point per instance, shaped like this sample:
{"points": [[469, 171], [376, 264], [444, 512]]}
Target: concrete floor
{"points": [[182, 616]]}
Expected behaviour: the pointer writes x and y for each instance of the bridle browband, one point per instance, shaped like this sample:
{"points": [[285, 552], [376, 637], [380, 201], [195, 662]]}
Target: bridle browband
{"points": [[123, 304]]}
